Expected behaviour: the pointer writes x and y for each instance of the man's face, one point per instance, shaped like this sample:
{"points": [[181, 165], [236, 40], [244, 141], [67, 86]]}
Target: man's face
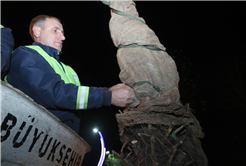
{"points": [[52, 35]]}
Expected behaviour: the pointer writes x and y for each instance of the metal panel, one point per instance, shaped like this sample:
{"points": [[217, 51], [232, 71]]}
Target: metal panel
{"points": [[31, 135]]}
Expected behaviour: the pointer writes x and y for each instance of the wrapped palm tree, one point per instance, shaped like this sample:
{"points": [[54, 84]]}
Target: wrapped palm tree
{"points": [[156, 129]]}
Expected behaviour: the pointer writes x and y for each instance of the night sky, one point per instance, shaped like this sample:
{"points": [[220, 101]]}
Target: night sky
{"points": [[206, 40]]}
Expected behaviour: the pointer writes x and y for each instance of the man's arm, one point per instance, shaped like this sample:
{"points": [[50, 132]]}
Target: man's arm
{"points": [[32, 74], [7, 46]]}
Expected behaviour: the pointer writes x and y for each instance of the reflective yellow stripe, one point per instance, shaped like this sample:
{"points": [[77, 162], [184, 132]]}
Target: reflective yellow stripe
{"points": [[82, 97]]}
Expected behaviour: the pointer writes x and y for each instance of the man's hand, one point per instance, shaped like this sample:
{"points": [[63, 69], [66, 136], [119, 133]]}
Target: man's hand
{"points": [[122, 95]]}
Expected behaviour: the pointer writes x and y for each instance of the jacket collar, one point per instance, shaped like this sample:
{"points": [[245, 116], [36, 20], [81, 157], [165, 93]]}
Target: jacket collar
{"points": [[49, 50]]}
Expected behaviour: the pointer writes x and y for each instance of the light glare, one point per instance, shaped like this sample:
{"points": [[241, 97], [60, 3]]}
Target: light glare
{"points": [[95, 130]]}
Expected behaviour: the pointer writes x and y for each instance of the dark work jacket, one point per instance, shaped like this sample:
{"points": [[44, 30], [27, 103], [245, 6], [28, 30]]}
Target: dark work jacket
{"points": [[33, 75]]}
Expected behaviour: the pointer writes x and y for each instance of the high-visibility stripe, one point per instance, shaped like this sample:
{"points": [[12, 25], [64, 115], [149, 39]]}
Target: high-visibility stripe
{"points": [[86, 97], [82, 97]]}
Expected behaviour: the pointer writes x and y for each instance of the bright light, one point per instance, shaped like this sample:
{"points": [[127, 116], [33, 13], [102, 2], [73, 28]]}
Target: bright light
{"points": [[107, 152], [95, 130]]}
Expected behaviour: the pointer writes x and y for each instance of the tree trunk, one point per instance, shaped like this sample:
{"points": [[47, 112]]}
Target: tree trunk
{"points": [[155, 130]]}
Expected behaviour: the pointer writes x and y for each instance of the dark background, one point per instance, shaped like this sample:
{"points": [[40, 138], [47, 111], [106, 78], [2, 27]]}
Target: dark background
{"points": [[206, 40]]}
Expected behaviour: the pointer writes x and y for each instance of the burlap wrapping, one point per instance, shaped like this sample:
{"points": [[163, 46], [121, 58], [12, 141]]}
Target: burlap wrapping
{"points": [[142, 64]]}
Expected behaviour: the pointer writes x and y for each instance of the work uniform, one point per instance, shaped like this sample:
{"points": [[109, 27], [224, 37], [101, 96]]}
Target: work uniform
{"points": [[7, 46], [37, 71]]}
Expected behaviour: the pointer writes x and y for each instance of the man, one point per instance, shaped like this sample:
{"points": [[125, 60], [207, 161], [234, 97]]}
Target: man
{"points": [[7, 46], [37, 71]]}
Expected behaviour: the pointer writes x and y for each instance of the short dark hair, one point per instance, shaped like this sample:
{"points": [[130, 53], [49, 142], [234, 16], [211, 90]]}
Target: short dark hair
{"points": [[39, 21]]}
